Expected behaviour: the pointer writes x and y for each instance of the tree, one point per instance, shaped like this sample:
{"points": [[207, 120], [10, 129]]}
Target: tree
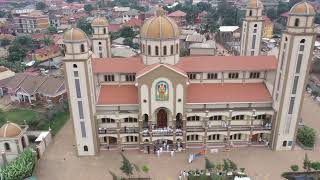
{"points": [[226, 166], [52, 30], [85, 26], [208, 165], [306, 136], [126, 167], [295, 168], [24, 40], [233, 166], [145, 169], [283, 7], [127, 32], [272, 14], [40, 5], [184, 52], [17, 53], [88, 8], [47, 41], [306, 163]]}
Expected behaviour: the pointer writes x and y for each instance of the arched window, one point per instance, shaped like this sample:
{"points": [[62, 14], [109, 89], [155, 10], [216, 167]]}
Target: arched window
{"points": [[7, 146], [296, 22], [255, 25], [143, 50], [85, 148], [250, 13], [302, 41], [165, 50], [177, 48], [171, 49], [149, 50], [157, 50], [284, 143], [75, 66], [82, 47], [286, 39], [104, 31], [100, 43]]}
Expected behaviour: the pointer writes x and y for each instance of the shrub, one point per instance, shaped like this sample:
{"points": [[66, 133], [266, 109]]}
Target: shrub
{"points": [[306, 136], [19, 168], [315, 165], [295, 168]]}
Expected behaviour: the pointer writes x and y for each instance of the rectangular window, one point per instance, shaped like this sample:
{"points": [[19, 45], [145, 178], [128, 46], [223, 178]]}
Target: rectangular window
{"points": [[130, 77], [282, 60], [279, 80], [295, 84], [107, 120], [291, 105], [193, 118], [100, 48], [130, 120], [238, 117], [215, 118], [78, 91], [75, 73], [252, 53], [254, 75], [192, 75], [301, 47], [212, 76], [109, 78], [255, 30], [100, 55], [299, 63], [83, 129], [253, 41], [233, 75], [80, 108]]}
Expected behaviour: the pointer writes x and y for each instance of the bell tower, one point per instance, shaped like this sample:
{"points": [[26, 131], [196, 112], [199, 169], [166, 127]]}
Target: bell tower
{"points": [[295, 54], [101, 38], [252, 29], [78, 75]]}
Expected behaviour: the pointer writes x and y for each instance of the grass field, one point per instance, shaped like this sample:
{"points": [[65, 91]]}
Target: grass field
{"points": [[34, 119]]}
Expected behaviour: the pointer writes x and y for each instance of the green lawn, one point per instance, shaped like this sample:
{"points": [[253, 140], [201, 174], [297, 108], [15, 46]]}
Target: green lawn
{"points": [[17, 116], [34, 119]]}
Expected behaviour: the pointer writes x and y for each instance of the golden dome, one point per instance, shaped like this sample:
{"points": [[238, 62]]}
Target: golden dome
{"points": [[10, 130], [302, 8], [75, 34], [160, 27], [99, 21], [254, 4]]}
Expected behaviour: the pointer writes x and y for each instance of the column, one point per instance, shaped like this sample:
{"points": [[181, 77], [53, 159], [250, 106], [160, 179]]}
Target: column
{"points": [[184, 133], [251, 126], [174, 121], [140, 139], [118, 133], [229, 119]]}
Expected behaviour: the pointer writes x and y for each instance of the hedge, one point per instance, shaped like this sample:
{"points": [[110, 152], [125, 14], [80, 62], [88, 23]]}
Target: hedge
{"points": [[20, 168]]}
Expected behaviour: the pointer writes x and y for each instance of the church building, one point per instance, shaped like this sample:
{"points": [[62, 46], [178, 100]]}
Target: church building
{"points": [[188, 102]]}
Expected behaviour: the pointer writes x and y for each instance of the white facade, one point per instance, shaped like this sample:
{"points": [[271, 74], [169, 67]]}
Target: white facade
{"points": [[294, 61]]}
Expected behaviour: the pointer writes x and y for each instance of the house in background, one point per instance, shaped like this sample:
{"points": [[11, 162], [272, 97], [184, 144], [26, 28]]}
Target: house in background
{"points": [[207, 48], [5, 74], [30, 89], [267, 27], [178, 16]]}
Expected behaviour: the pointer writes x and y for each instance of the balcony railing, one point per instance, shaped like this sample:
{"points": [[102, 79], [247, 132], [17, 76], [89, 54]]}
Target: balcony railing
{"points": [[161, 132], [107, 131], [195, 129], [129, 130]]}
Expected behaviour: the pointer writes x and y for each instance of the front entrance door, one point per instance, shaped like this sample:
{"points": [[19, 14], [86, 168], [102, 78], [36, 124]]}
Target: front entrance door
{"points": [[162, 118]]}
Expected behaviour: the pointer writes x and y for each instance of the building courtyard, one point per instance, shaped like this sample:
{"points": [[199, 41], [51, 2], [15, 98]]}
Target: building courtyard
{"points": [[61, 161]]}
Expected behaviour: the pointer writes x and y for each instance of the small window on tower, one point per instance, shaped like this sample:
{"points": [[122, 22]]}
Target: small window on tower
{"points": [[255, 25], [171, 49], [296, 22], [104, 31], [149, 50], [302, 41], [100, 43], [165, 50], [157, 50], [250, 13], [82, 48], [75, 66]]}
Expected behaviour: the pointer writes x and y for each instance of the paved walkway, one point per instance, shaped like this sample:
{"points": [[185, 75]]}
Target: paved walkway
{"points": [[61, 163]]}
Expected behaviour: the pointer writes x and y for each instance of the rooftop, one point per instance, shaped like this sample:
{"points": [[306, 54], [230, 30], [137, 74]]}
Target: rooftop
{"points": [[115, 65], [118, 94], [228, 92]]}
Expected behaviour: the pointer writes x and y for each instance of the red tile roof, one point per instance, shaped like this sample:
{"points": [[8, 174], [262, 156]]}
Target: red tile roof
{"points": [[133, 22], [177, 14], [114, 27], [227, 63], [115, 65], [228, 92], [115, 94]]}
